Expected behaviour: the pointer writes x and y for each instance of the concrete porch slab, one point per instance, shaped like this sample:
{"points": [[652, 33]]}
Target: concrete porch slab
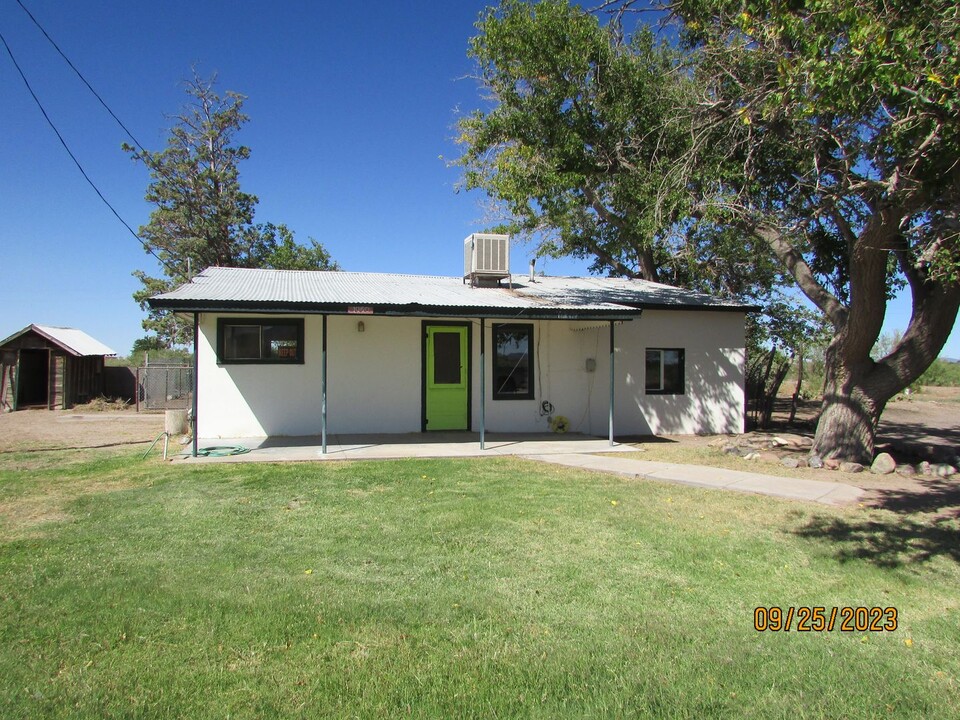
{"points": [[388, 446]]}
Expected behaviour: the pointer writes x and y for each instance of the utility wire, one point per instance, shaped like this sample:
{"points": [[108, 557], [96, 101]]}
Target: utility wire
{"points": [[73, 157], [80, 75]]}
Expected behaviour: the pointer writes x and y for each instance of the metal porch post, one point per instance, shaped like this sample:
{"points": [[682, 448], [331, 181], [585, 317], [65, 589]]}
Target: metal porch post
{"points": [[323, 390], [483, 383], [611, 382], [196, 378]]}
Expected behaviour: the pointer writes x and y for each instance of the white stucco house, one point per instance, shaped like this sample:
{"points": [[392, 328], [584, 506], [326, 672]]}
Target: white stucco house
{"points": [[292, 353]]}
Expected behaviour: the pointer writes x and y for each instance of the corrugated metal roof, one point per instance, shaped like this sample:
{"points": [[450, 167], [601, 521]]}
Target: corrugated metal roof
{"points": [[242, 287], [72, 340]]}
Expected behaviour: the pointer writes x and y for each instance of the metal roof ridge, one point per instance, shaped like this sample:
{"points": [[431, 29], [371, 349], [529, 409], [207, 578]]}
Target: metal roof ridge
{"points": [[331, 272]]}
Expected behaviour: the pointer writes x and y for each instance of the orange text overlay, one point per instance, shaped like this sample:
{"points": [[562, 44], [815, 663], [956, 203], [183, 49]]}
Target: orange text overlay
{"points": [[820, 619]]}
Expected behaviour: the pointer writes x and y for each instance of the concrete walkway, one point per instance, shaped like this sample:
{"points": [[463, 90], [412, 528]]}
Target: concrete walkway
{"points": [[578, 451], [827, 493]]}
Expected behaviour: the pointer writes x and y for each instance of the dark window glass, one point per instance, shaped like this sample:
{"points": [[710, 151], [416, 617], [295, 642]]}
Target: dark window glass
{"points": [[446, 358], [260, 340], [664, 371], [673, 371], [242, 342], [512, 369], [653, 370]]}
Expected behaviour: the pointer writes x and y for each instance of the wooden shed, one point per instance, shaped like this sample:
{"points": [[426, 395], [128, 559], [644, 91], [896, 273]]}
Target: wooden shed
{"points": [[51, 367]]}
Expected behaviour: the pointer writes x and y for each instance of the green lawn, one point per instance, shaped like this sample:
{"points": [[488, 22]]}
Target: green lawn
{"points": [[452, 588]]}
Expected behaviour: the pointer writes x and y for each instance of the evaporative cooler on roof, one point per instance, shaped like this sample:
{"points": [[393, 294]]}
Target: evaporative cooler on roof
{"points": [[486, 257]]}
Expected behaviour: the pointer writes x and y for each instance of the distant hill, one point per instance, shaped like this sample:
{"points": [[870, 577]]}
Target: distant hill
{"points": [[950, 360]]}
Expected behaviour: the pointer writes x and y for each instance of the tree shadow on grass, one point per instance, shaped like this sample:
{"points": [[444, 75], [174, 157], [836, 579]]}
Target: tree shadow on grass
{"points": [[919, 526], [891, 542]]}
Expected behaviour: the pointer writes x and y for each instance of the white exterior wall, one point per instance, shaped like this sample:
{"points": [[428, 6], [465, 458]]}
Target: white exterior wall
{"points": [[374, 379]]}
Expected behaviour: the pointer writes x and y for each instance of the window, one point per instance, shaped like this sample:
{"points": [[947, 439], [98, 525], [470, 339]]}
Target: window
{"points": [[260, 340], [664, 371], [512, 370]]}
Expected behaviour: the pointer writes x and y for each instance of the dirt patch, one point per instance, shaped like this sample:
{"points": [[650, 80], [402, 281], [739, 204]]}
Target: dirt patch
{"points": [[918, 426], [913, 428], [45, 430], [40, 444]]}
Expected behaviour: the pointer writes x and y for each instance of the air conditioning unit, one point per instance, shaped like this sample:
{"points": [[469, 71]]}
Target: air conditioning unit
{"points": [[486, 257]]}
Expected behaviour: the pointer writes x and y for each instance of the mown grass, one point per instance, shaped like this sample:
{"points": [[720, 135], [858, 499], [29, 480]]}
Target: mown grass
{"points": [[449, 588]]}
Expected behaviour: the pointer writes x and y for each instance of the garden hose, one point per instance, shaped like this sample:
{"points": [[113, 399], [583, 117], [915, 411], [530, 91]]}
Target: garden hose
{"points": [[222, 450]]}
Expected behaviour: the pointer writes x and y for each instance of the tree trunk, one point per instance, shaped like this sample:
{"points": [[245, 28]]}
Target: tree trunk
{"points": [[796, 390], [848, 424], [773, 389]]}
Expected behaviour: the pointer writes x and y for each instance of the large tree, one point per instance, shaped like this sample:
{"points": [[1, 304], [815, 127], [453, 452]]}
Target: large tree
{"points": [[582, 126], [202, 217], [840, 125], [822, 136]]}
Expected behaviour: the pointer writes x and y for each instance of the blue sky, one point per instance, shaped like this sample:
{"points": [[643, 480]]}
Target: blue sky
{"points": [[352, 110]]}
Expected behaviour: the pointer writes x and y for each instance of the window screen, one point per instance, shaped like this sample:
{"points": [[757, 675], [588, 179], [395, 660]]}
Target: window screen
{"points": [[512, 368], [446, 358]]}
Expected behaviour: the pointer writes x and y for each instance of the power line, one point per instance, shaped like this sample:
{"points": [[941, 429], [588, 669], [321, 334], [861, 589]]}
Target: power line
{"points": [[80, 75], [77, 162]]}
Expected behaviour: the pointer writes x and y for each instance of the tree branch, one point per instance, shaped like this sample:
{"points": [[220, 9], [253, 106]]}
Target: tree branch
{"points": [[804, 276]]}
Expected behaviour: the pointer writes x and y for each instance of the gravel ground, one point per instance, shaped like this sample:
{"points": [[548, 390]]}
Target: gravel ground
{"points": [[62, 430]]}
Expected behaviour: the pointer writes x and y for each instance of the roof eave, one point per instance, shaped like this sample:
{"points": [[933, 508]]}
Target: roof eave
{"points": [[406, 310], [46, 336]]}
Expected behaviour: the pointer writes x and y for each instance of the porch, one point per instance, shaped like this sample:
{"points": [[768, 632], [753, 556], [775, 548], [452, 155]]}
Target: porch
{"points": [[402, 445]]}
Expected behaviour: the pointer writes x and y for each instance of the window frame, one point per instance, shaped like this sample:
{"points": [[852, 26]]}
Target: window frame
{"points": [[224, 322], [527, 328], [662, 390]]}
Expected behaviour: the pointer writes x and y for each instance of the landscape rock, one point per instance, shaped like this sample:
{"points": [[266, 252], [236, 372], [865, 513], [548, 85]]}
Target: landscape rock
{"points": [[923, 468], [768, 457], [803, 462], [944, 470], [906, 470], [799, 442], [815, 461], [883, 464], [751, 456], [790, 462], [851, 467], [730, 449], [831, 464]]}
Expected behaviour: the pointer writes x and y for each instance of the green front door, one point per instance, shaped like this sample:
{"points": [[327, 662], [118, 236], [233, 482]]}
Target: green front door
{"points": [[446, 380]]}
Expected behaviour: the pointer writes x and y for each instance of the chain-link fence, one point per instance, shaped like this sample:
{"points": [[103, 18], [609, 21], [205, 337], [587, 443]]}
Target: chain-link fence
{"points": [[163, 387]]}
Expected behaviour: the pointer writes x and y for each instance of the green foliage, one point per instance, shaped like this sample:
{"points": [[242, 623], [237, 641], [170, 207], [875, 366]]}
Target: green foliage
{"points": [[839, 127], [202, 217], [146, 344], [576, 144], [580, 149], [941, 374]]}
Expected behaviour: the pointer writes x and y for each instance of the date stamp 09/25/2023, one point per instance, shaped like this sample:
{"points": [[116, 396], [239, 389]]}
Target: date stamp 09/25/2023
{"points": [[825, 619]]}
